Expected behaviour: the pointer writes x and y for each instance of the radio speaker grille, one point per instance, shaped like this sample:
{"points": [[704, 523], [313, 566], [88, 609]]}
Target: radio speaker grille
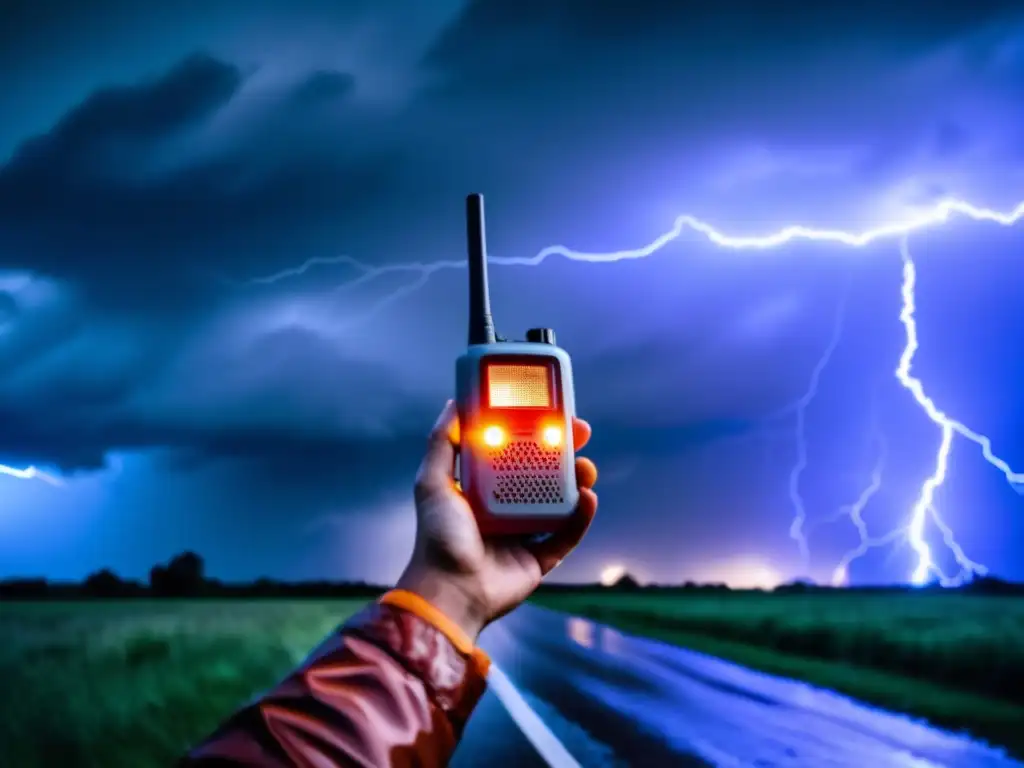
{"points": [[527, 473]]}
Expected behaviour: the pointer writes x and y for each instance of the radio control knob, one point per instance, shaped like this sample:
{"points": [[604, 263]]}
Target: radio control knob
{"points": [[541, 336]]}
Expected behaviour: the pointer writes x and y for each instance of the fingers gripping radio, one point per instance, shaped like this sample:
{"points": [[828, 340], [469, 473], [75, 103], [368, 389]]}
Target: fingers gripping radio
{"points": [[516, 407]]}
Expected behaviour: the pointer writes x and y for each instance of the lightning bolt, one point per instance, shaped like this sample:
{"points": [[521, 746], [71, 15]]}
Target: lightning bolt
{"points": [[939, 214], [30, 473], [796, 528], [924, 509], [855, 511]]}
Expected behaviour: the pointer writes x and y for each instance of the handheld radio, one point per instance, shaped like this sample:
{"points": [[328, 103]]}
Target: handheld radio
{"points": [[516, 407]]}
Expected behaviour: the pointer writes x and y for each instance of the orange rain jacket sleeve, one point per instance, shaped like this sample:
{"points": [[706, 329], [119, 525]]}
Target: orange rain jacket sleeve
{"points": [[393, 686]]}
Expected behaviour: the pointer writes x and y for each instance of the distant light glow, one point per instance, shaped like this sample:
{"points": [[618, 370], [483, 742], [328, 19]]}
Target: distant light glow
{"points": [[743, 573], [611, 574]]}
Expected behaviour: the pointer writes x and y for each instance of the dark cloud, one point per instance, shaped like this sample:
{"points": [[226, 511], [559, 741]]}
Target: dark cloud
{"points": [[8, 308], [130, 198], [322, 88], [145, 196], [130, 223], [578, 34], [653, 20], [286, 396], [71, 207], [114, 119]]}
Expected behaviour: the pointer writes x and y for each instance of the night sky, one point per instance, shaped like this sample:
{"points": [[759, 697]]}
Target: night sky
{"points": [[167, 167]]}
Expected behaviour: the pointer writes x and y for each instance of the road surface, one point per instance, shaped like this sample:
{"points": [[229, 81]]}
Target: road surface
{"points": [[610, 699]]}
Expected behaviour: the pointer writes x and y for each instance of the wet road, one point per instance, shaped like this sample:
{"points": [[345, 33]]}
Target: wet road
{"points": [[615, 700]]}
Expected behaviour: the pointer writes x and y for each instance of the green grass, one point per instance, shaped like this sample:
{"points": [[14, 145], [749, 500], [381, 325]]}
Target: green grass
{"points": [[954, 660], [135, 683]]}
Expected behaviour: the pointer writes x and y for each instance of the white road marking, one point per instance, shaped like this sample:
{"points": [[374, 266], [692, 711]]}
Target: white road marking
{"points": [[533, 728]]}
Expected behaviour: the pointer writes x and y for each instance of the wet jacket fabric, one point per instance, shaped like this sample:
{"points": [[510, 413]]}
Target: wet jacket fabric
{"points": [[393, 686]]}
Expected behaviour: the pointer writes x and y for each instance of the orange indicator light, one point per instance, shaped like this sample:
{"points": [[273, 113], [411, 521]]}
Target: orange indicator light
{"points": [[494, 436], [553, 436]]}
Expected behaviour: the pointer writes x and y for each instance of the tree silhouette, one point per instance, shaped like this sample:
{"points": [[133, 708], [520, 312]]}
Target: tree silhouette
{"points": [[626, 582], [183, 576], [104, 583]]}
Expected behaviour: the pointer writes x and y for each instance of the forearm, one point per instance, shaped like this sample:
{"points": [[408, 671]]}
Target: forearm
{"points": [[388, 688]]}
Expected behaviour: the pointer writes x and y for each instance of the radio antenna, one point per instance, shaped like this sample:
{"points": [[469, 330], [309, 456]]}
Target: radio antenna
{"points": [[481, 324]]}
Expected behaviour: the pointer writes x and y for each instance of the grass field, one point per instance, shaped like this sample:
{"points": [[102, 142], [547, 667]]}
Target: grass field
{"points": [[135, 683], [956, 660]]}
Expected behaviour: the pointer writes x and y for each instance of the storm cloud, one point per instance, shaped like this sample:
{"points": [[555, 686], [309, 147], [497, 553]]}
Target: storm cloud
{"points": [[153, 190]]}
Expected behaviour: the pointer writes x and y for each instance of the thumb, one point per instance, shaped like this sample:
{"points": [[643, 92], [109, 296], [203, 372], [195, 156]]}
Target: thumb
{"points": [[436, 472]]}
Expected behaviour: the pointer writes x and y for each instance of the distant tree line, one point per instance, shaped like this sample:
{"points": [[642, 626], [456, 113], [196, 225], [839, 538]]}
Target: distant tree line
{"points": [[184, 576], [982, 586]]}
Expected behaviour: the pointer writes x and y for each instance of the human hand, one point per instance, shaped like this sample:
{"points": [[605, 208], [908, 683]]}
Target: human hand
{"points": [[473, 580]]}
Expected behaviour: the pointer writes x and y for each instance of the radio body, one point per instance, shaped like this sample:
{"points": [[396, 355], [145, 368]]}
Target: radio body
{"points": [[517, 463], [516, 405]]}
